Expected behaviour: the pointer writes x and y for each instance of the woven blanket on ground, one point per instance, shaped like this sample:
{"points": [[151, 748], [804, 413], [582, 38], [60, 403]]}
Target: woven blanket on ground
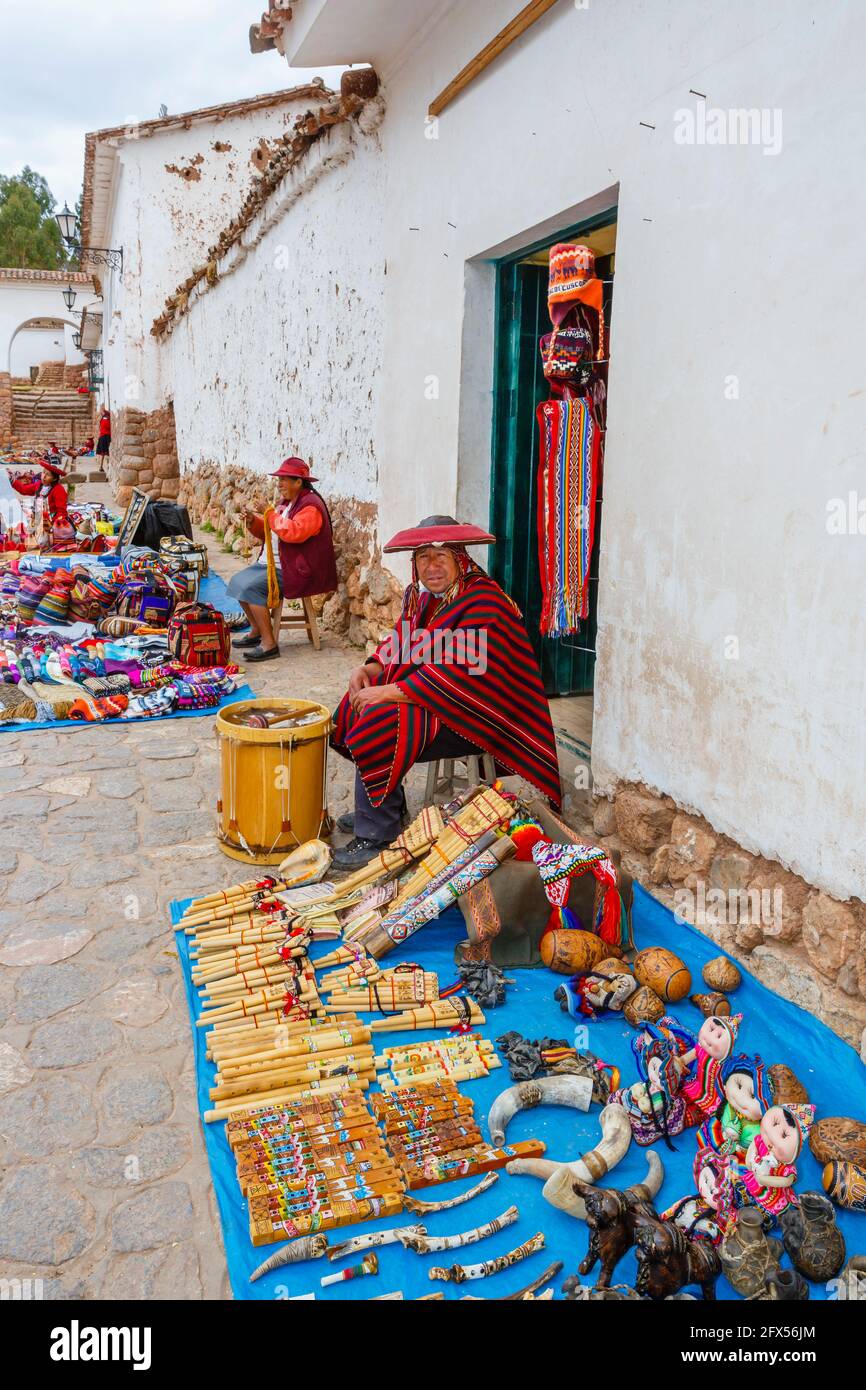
{"points": [[569, 447], [494, 698]]}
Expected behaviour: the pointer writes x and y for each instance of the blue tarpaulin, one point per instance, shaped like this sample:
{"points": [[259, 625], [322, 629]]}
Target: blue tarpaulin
{"points": [[772, 1027]]}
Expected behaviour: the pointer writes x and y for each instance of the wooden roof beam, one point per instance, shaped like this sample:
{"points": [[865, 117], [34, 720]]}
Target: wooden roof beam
{"points": [[504, 39]]}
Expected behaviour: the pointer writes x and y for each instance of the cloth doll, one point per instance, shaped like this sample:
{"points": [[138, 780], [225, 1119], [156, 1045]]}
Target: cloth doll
{"points": [[697, 1215], [766, 1178], [745, 1094], [605, 988], [714, 1044], [655, 1105]]}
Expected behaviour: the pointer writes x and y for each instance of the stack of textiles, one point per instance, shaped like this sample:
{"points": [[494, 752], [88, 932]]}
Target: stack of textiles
{"points": [[46, 676]]}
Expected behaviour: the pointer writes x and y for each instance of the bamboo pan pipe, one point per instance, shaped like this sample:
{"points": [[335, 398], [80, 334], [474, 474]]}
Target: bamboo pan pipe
{"points": [[335, 1086], [358, 1066], [435, 1015], [286, 1037], [264, 1030], [323, 1046], [270, 883]]}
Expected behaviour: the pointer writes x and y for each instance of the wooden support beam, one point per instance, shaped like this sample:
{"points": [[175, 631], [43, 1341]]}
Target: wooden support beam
{"points": [[519, 25]]}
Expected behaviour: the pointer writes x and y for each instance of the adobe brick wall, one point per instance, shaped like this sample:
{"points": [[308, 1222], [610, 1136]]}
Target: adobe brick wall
{"points": [[5, 409]]}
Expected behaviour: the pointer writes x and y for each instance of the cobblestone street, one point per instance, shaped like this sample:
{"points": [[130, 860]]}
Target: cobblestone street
{"points": [[106, 1190]]}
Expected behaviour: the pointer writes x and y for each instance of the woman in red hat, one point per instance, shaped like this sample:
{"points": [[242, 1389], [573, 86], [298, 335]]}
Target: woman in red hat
{"points": [[55, 498], [301, 524], [456, 676]]}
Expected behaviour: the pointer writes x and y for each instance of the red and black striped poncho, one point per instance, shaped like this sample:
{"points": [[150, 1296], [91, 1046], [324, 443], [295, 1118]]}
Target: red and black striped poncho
{"points": [[503, 710]]}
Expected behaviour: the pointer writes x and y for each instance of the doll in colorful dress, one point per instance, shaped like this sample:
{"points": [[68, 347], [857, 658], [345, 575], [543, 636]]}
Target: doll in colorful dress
{"points": [[697, 1215], [655, 1107], [766, 1178], [745, 1095], [715, 1043]]}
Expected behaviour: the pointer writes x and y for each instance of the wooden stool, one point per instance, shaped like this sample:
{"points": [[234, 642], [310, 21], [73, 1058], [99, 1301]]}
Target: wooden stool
{"points": [[305, 618], [442, 783]]}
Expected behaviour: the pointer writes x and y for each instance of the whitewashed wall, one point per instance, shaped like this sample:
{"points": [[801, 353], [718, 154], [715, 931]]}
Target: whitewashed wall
{"points": [[283, 356], [165, 223], [731, 263], [33, 346], [21, 301]]}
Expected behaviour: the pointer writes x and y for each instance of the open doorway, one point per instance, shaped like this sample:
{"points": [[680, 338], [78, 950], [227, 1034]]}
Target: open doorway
{"points": [[567, 662]]}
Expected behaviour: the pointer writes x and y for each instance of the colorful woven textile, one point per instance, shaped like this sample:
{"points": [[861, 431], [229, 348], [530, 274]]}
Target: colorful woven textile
{"points": [[468, 869], [501, 709], [569, 443], [558, 864]]}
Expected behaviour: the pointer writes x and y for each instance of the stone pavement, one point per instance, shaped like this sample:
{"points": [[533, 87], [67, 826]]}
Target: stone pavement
{"points": [[105, 1188]]}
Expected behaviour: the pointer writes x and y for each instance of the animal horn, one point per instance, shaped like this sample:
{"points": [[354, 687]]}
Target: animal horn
{"points": [[306, 1248], [559, 1177], [647, 1190], [574, 1091]]}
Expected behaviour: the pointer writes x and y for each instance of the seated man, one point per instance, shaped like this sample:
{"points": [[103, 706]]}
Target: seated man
{"points": [[456, 675], [301, 523]]}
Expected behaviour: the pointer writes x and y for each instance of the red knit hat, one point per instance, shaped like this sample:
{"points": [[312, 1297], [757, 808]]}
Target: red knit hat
{"points": [[54, 466], [294, 468], [572, 279]]}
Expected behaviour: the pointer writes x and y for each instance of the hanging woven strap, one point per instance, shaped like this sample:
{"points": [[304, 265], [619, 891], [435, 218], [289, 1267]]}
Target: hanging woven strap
{"points": [[271, 559]]}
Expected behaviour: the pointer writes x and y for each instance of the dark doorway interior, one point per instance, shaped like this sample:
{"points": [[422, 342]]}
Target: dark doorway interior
{"points": [[567, 663]]}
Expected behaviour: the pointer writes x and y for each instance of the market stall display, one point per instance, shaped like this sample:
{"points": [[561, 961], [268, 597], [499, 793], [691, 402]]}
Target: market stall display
{"points": [[88, 639], [412, 1109]]}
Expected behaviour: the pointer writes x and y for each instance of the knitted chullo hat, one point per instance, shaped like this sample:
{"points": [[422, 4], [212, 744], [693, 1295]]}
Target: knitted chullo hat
{"points": [[573, 279], [30, 594], [803, 1117], [752, 1067], [732, 1024], [708, 1158], [54, 606]]}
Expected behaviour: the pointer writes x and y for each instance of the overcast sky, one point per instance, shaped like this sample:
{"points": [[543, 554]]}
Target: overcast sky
{"points": [[69, 66]]}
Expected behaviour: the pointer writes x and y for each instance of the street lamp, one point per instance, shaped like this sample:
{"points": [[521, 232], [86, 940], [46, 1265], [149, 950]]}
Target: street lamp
{"points": [[94, 255], [76, 341], [66, 221], [69, 297]]}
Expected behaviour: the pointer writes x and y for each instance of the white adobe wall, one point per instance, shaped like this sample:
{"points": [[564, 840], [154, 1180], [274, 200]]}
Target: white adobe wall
{"points": [[32, 346], [283, 356], [21, 301], [731, 263], [165, 223]]}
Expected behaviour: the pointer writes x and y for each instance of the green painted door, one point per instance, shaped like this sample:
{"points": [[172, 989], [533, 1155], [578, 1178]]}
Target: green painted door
{"points": [[567, 663]]}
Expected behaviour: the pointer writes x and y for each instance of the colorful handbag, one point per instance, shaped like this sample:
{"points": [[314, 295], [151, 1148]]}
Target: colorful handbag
{"points": [[566, 354], [146, 600], [192, 555], [198, 636]]}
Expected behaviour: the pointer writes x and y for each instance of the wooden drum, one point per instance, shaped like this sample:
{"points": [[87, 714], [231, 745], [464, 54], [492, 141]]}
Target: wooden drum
{"points": [[273, 780]]}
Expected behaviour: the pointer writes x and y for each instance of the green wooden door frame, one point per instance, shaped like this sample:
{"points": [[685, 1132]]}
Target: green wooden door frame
{"points": [[567, 665]]}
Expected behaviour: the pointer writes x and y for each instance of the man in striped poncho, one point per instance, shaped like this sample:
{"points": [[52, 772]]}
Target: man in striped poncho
{"points": [[457, 675]]}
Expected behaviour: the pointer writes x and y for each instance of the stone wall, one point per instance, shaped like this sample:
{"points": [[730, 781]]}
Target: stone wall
{"points": [[50, 374], [799, 941], [367, 602], [75, 375], [144, 453], [5, 408]]}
